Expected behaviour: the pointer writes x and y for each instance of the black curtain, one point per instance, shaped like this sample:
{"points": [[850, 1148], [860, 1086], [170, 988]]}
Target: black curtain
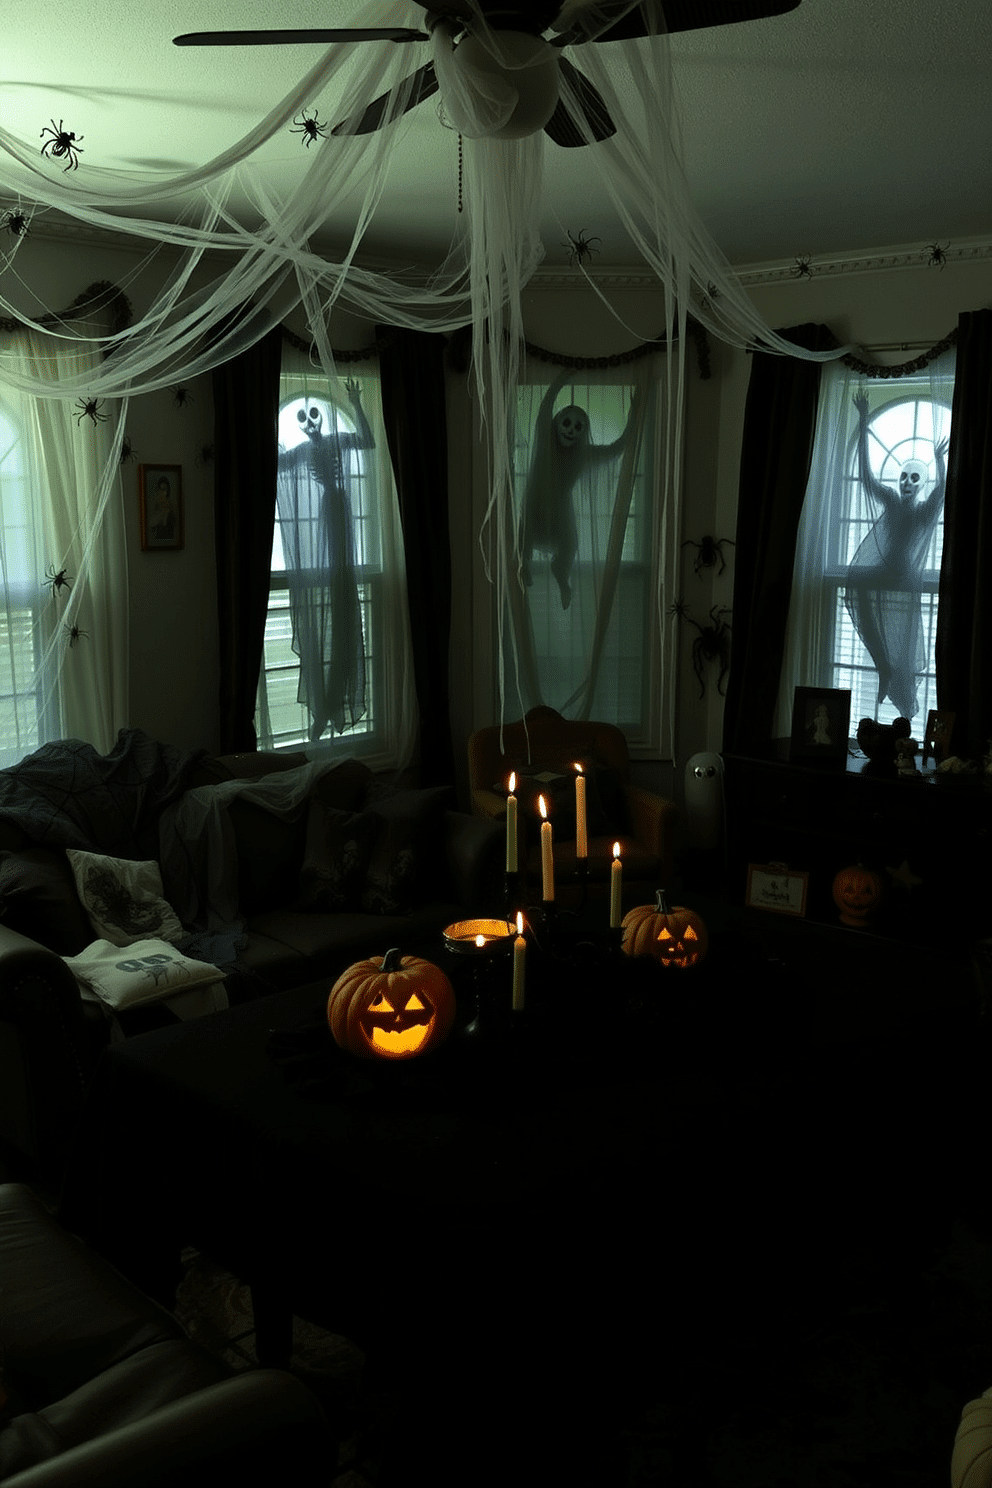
{"points": [[411, 366], [963, 647], [777, 448], [246, 439]]}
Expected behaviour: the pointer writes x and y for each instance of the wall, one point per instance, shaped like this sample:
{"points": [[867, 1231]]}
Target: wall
{"points": [[173, 620]]}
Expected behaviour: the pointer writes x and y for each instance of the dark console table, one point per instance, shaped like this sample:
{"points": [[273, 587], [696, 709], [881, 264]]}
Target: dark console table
{"points": [[929, 836]]}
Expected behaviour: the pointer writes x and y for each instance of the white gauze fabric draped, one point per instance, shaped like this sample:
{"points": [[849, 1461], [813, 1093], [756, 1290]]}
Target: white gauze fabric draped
{"points": [[243, 249], [877, 553], [66, 515]]}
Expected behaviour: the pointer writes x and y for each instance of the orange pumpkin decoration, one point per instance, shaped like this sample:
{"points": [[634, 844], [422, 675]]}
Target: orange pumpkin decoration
{"points": [[674, 936], [857, 894], [396, 1008]]}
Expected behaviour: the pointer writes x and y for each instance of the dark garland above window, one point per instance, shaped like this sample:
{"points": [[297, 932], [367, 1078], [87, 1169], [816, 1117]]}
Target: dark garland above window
{"points": [[94, 298], [902, 369]]}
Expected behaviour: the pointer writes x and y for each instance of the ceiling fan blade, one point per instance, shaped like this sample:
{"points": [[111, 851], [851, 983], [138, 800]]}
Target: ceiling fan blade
{"points": [[675, 15], [423, 83], [293, 38], [562, 128]]}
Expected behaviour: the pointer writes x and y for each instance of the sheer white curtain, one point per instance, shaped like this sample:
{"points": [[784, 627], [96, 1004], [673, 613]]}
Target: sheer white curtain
{"points": [[64, 670], [866, 551], [595, 549]]}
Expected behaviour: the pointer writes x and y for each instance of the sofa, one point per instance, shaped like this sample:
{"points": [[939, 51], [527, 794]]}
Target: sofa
{"points": [[99, 1385], [272, 872]]}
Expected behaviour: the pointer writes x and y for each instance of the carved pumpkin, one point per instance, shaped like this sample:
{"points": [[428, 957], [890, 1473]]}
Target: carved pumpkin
{"points": [[396, 1008], [674, 936], [857, 894]]}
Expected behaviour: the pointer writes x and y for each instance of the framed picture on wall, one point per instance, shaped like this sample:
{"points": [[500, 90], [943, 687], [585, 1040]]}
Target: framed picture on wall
{"points": [[160, 496], [820, 721]]}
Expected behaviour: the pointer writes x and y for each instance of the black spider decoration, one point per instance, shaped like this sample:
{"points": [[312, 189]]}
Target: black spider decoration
{"points": [[937, 255], [90, 408], [711, 644], [205, 455], [75, 634], [57, 579], [709, 552], [801, 267], [128, 451], [62, 143], [308, 127], [182, 397], [580, 248], [16, 223]]}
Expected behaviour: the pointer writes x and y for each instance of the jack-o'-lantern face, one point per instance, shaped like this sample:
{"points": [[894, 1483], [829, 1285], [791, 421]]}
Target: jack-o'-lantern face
{"points": [[681, 947], [857, 894], [397, 1029]]}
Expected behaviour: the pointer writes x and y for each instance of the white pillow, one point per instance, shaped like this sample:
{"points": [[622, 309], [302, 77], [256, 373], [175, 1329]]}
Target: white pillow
{"points": [[123, 899], [146, 971]]}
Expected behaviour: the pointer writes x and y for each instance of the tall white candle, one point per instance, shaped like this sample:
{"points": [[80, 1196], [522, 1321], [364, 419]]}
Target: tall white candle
{"points": [[547, 856], [616, 888], [581, 832], [519, 965], [511, 826]]}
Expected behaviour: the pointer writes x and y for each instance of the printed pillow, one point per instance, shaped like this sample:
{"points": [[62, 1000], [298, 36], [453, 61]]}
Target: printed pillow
{"points": [[557, 786], [384, 860], [143, 971], [38, 899], [336, 859], [123, 899]]}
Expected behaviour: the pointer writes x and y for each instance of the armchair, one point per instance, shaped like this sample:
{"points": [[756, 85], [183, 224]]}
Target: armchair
{"points": [[544, 748]]}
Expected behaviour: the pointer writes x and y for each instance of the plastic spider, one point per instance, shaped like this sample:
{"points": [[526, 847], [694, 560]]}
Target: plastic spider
{"points": [[205, 455], [580, 247], [16, 223], [57, 579], [62, 143], [937, 252], [181, 397], [709, 552], [75, 634], [801, 267], [128, 451], [711, 644], [308, 127], [90, 408]]}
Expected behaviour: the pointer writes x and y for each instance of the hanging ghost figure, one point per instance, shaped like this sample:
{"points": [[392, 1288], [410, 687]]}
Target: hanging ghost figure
{"points": [[562, 452], [315, 521], [883, 581]]}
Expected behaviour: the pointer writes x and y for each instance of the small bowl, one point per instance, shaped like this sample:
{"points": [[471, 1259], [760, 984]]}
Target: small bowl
{"points": [[463, 937]]}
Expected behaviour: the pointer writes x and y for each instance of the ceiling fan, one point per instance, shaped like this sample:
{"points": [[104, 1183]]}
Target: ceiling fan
{"points": [[521, 29]]}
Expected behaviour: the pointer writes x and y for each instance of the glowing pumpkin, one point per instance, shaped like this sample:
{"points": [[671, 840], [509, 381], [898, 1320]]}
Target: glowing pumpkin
{"points": [[674, 936], [396, 1008], [857, 894]]}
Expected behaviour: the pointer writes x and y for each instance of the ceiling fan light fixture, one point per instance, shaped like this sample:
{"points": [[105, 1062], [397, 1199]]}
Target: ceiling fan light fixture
{"points": [[495, 101]]}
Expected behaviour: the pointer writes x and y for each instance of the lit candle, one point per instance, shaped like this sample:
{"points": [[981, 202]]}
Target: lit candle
{"points": [[480, 941], [547, 858], [511, 826], [581, 834], [519, 965], [616, 888]]}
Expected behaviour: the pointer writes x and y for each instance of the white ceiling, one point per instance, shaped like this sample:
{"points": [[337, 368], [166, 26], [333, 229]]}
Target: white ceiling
{"points": [[840, 127]]}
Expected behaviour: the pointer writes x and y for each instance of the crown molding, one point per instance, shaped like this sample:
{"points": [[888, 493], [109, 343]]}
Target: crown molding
{"points": [[913, 256]]}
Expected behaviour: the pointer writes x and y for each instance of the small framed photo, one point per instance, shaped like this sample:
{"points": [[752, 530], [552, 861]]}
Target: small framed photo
{"points": [[821, 719], [774, 887], [937, 739], [160, 495]]}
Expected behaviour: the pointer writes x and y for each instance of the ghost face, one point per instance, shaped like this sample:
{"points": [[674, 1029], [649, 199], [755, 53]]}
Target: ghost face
{"points": [[571, 427], [912, 479], [310, 421]]}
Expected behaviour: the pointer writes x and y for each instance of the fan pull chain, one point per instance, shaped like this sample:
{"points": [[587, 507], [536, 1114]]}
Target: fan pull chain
{"points": [[460, 171]]}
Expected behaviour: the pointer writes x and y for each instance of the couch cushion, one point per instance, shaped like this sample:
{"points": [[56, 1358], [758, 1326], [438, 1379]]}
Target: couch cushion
{"points": [[386, 859], [38, 899], [123, 899]]}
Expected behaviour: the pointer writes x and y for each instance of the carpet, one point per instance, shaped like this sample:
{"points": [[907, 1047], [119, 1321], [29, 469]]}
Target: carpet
{"points": [[854, 1378]]}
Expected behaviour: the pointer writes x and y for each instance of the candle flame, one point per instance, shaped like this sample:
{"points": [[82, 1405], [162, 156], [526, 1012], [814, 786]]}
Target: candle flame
{"points": [[578, 767], [616, 849], [520, 923], [480, 941], [513, 781], [543, 807]]}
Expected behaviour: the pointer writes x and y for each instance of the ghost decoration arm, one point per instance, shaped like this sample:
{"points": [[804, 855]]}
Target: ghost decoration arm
{"points": [[362, 439], [881, 493], [562, 452]]}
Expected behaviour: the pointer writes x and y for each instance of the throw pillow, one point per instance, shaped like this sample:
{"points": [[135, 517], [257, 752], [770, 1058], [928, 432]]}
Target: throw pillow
{"points": [[385, 860], [124, 900], [558, 789], [145, 971], [336, 858], [38, 899]]}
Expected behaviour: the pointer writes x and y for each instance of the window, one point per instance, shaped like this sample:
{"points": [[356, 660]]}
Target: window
{"points": [[335, 676], [864, 606], [585, 638]]}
